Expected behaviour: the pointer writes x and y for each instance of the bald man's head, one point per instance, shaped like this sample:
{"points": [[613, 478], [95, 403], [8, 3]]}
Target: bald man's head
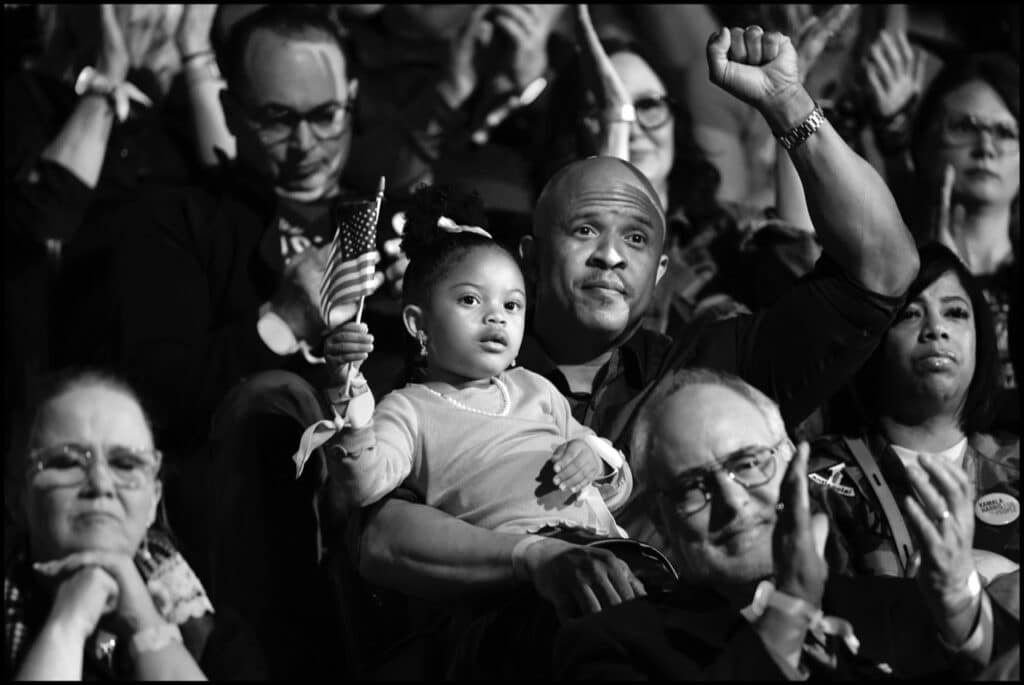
{"points": [[584, 177], [595, 255]]}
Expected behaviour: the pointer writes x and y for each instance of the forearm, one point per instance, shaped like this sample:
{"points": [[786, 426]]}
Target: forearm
{"points": [[211, 130], [50, 203], [852, 209], [419, 550], [360, 470], [81, 144], [615, 139], [172, 662], [790, 201], [55, 655]]}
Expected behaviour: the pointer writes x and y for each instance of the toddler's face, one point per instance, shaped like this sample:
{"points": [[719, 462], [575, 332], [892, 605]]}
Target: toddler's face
{"points": [[474, 323]]}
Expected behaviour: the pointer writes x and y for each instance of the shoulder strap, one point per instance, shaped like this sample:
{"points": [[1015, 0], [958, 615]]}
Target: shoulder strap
{"points": [[901, 537]]}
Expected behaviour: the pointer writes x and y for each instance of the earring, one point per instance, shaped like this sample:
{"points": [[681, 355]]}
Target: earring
{"points": [[512, 365], [423, 343], [144, 552]]}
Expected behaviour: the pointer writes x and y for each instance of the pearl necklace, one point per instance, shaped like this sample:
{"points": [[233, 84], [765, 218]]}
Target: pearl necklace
{"points": [[506, 402]]}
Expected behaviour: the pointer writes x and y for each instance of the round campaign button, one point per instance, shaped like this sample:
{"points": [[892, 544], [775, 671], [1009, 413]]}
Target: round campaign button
{"points": [[997, 509]]}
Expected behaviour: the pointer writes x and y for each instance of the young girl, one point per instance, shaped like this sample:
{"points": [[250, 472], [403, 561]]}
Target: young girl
{"points": [[478, 438]]}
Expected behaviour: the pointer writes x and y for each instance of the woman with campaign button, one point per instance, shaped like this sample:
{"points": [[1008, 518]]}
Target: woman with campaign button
{"points": [[925, 395]]}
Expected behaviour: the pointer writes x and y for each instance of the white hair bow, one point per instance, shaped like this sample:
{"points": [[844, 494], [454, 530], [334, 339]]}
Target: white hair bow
{"points": [[446, 224]]}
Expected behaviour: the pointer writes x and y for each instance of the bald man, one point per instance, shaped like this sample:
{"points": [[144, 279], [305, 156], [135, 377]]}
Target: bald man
{"points": [[594, 258]]}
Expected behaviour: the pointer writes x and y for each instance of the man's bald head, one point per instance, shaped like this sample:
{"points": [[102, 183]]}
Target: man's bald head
{"points": [[574, 182], [595, 256]]}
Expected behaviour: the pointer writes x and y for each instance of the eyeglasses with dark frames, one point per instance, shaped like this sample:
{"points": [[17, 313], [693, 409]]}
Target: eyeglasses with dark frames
{"points": [[275, 123], [67, 464], [652, 111], [964, 129], [751, 467]]}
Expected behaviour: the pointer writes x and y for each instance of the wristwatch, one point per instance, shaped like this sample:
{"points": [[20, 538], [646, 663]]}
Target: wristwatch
{"points": [[802, 131]]}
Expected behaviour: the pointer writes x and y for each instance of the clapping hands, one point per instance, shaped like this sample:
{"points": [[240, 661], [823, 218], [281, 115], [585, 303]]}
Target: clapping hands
{"points": [[894, 73]]}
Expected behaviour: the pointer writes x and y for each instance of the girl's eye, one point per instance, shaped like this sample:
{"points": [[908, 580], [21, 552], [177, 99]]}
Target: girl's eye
{"points": [[958, 313], [908, 313], [469, 299], [514, 306]]}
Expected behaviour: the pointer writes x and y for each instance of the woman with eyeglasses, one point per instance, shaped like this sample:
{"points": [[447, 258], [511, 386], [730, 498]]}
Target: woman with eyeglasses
{"points": [[966, 154], [953, 161], [925, 395], [94, 587]]}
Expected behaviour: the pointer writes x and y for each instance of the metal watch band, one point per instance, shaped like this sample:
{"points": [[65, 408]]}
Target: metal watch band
{"points": [[802, 131]]}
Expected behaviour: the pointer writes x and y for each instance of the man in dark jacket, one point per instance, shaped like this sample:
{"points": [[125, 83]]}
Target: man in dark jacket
{"points": [[217, 320], [754, 600]]}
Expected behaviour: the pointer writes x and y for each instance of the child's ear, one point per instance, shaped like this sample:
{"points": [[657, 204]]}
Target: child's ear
{"points": [[412, 317]]}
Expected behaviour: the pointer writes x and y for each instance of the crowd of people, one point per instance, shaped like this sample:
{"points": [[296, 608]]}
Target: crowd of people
{"points": [[690, 350]]}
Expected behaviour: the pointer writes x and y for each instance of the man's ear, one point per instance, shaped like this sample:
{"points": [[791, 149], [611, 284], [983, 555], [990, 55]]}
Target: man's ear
{"points": [[662, 268], [528, 255], [412, 317], [158, 492]]}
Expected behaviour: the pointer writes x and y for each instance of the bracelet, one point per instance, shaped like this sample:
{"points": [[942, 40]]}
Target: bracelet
{"points": [[795, 136], [185, 59], [155, 638], [518, 563], [202, 70], [531, 92]]}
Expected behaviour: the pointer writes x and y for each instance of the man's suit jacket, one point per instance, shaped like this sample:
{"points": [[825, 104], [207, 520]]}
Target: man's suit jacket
{"points": [[692, 633]]}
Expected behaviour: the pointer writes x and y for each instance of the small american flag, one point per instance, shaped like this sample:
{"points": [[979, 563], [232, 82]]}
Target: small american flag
{"points": [[353, 256]]}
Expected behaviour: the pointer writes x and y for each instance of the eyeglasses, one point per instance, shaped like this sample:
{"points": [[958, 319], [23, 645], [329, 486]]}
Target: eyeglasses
{"points": [[652, 112], [67, 464], [275, 124], [751, 468], [965, 129]]}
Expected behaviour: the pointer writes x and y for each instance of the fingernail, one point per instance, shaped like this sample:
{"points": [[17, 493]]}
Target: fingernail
{"points": [[557, 468]]}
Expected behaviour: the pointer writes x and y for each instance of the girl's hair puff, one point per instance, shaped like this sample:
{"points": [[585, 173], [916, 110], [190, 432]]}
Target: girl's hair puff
{"points": [[433, 251]]}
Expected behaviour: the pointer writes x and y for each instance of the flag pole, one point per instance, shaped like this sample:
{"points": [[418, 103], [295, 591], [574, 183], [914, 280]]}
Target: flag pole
{"points": [[362, 299]]}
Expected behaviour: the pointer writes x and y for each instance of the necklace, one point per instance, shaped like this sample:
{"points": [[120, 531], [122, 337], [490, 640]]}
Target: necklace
{"points": [[506, 402]]}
